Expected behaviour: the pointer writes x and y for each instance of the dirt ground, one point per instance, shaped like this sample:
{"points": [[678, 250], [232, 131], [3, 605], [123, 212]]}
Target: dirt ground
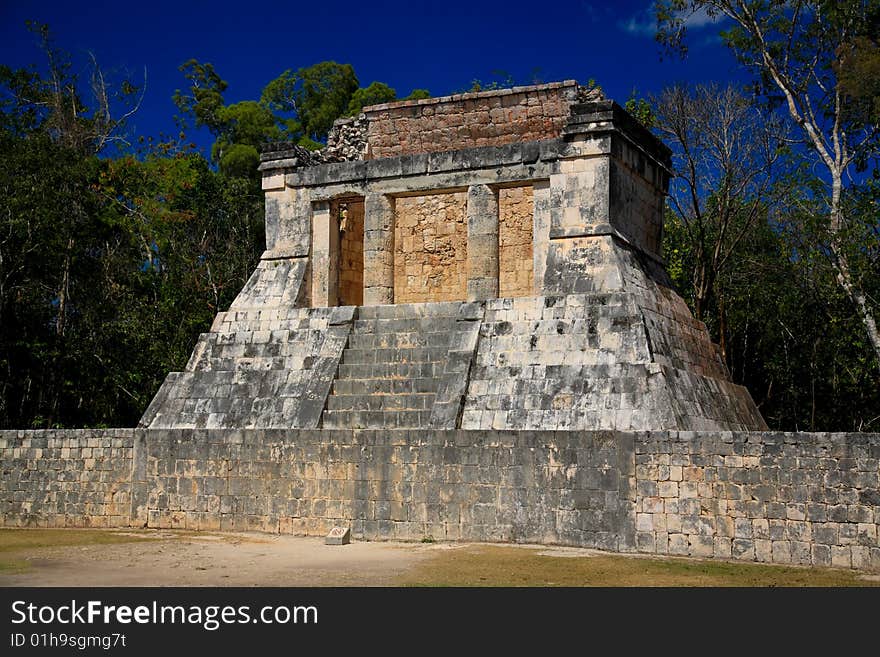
{"points": [[62, 557], [173, 559]]}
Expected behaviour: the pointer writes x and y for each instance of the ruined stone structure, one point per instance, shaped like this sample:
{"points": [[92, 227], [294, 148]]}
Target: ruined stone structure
{"points": [[489, 261], [462, 328]]}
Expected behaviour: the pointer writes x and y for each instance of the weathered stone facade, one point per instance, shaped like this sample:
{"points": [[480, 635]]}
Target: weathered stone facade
{"points": [[516, 269], [544, 223], [66, 477], [430, 248], [810, 499], [462, 328]]}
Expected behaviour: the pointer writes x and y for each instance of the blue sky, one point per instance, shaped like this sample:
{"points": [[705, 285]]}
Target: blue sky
{"points": [[440, 46]]}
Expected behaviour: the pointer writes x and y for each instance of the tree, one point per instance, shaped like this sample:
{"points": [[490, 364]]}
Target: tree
{"points": [[724, 156], [315, 96], [790, 335], [56, 106], [804, 53], [204, 102], [418, 94], [375, 94], [110, 267], [245, 126]]}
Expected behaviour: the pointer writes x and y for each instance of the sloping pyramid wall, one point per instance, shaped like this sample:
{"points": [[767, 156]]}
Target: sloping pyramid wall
{"points": [[627, 355], [604, 342]]}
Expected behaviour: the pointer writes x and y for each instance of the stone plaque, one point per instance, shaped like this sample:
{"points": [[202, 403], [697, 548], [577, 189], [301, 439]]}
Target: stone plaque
{"points": [[338, 536]]}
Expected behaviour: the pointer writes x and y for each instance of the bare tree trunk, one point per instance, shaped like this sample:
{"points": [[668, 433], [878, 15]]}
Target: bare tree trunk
{"points": [[860, 301], [60, 323], [844, 276]]}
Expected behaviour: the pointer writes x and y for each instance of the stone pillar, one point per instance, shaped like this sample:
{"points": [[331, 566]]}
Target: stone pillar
{"points": [[482, 243], [378, 249], [288, 228], [325, 256], [540, 232], [579, 198]]}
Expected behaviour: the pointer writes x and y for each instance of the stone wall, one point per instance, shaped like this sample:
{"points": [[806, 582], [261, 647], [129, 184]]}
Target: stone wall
{"points": [[66, 478], [811, 499], [801, 498], [516, 272], [451, 485], [430, 248], [469, 120]]}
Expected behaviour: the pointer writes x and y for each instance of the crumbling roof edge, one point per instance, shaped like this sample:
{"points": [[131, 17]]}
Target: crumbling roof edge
{"points": [[549, 86]]}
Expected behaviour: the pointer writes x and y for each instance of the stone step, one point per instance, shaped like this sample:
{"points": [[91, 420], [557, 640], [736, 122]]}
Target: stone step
{"points": [[376, 419], [383, 386], [402, 402], [271, 350], [403, 325], [395, 356], [410, 310], [401, 340], [424, 370], [275, 335]]}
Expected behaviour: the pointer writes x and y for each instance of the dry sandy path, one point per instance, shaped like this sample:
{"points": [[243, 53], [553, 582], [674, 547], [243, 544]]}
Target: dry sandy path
{"points": [[221, 560]]}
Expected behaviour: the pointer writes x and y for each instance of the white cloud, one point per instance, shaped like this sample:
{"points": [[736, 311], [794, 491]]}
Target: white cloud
{"points": [[638, 26], [701, 19], [644, 24]]}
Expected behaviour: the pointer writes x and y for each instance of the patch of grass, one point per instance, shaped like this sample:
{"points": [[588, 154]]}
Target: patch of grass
{"points": [[21, 539], [14, 543], [515, 566], [11, 566]]}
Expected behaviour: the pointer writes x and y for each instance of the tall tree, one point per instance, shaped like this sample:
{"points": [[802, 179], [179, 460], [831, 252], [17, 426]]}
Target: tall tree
{"points": [[315, 96], [799, 48], [724, 155]]}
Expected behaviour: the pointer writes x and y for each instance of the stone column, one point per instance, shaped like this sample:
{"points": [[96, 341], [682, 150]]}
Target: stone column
{"points": [[378, 249], [288, 229], [325, 256], [482, 244], [540, 232]]}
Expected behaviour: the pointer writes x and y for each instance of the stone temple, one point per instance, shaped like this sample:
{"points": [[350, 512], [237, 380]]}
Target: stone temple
{"points": [[462, 329], [481, 261]]}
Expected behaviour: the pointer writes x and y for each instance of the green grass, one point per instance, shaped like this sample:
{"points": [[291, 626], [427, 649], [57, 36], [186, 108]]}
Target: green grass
{"points": [[17, 543], [516, 566]]}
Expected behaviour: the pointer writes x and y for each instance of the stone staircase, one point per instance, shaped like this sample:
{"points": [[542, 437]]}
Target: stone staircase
{"points": [[395, 364], [256, 369]]}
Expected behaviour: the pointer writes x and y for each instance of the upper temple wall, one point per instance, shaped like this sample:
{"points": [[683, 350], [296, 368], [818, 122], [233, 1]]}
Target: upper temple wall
{"points": [[583, 166], [471, 120]]}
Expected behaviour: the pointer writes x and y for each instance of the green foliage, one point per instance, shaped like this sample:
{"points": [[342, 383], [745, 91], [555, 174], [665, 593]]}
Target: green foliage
{"points": [[375, 94], [317, 95], [789, 333], [641, 110], [204, 101], [418, 94], [109, 268], [245, 126], [499, 80]]}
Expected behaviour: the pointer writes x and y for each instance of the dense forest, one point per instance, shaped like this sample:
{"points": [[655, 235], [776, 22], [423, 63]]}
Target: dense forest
{"points": [[114, 256]]}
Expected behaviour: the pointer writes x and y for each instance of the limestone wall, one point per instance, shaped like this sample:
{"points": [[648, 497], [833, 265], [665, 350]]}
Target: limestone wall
{"points": [[516, 210], [469, 120], [483, 486], [430, 248], [66, 478], [803, 498]]}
